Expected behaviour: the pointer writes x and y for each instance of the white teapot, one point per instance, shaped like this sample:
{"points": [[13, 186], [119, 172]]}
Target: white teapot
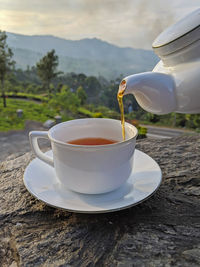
{"points": [[174, 83]]}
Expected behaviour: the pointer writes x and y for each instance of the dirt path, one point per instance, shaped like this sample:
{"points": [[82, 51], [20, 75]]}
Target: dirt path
{"points": [[17, 142]]}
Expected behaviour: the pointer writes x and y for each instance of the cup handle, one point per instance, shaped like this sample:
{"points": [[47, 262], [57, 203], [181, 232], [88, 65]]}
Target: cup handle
{"points": [[33, 137]]}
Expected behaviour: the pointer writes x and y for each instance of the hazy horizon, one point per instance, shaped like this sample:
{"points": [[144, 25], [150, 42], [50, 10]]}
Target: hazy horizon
{"points": [[90, 38]]}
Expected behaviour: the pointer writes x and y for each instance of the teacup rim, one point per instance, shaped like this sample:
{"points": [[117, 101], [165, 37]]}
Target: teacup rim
{"points": [[93, 146]]}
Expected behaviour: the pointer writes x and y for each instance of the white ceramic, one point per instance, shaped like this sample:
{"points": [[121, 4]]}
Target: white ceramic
{"points": [[41, 181], [174, 83], [89, 169]]}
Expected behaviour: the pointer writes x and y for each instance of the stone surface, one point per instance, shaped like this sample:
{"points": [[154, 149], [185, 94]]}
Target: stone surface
{"points": [[48, 124], [162, 231]]}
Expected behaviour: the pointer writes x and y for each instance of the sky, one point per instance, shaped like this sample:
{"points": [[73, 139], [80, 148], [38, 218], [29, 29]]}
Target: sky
{"points": [[132, 23]]}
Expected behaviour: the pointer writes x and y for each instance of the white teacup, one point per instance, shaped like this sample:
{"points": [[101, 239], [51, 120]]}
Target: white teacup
{"points": [[89, 169]]}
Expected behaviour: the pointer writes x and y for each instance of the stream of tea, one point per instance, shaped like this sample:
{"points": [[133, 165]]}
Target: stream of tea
{"points": [[120, 95]]}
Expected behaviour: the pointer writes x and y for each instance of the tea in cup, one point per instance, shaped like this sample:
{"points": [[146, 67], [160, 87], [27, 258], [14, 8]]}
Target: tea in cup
{"points": [[89, 155]]}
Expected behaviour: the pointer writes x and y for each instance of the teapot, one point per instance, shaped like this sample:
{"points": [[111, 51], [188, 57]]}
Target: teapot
{"points": [[174, 83]]}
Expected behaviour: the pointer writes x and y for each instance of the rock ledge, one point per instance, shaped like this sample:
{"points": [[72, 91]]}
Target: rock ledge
{"points": [[162, 231]]}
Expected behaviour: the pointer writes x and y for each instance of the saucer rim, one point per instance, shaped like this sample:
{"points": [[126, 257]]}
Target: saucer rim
{"points": [[95, 211]]}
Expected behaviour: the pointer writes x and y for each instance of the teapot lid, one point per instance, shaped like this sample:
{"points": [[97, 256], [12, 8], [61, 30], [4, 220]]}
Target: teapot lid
{"points": [[183, 33]]}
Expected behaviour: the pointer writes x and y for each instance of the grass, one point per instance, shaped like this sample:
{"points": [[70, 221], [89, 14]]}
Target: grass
{"points": [[31, 111], [41, 112]]}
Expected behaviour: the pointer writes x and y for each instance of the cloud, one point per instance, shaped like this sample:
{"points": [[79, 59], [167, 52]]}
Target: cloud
{"points": [[133, 23], [128, 23]]}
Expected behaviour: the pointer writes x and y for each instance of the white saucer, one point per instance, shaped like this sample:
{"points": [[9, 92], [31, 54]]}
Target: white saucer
{"points": [[41, 181]]}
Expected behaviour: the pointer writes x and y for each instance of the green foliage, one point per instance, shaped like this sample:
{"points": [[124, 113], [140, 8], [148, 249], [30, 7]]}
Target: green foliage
{"points": [[31, 88], [6, 62], [152, 117], [31, 111], [27, 96], [142, 132], [85, 112], [27, 76], [109, 96], [46, 69], [192, 121], [107, 112], [101, 111], [66, 101], [98, 115], [113, 115], [81, 95], [69, 98], [6, 54], [92, 86]]}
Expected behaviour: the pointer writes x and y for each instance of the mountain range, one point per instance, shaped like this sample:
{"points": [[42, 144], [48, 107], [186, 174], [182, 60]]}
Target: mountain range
{"points": [[88, 56]]}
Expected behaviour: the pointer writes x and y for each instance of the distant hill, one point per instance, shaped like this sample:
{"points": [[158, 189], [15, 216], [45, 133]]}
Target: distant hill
{"points": [[89, 56]]}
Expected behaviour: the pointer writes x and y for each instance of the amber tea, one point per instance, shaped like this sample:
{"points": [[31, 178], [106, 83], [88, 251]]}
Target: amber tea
{"points": [[120, 95], [92, 141]]}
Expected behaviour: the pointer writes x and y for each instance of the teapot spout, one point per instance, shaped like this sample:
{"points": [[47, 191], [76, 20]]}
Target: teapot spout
{"points": [[154, 91]]}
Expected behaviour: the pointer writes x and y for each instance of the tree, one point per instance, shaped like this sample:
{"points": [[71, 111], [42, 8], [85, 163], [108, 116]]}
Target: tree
{"points": [[6, 62], [81, 95], [109, 96], [46, 69], [92, 86], [31, 88]]}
